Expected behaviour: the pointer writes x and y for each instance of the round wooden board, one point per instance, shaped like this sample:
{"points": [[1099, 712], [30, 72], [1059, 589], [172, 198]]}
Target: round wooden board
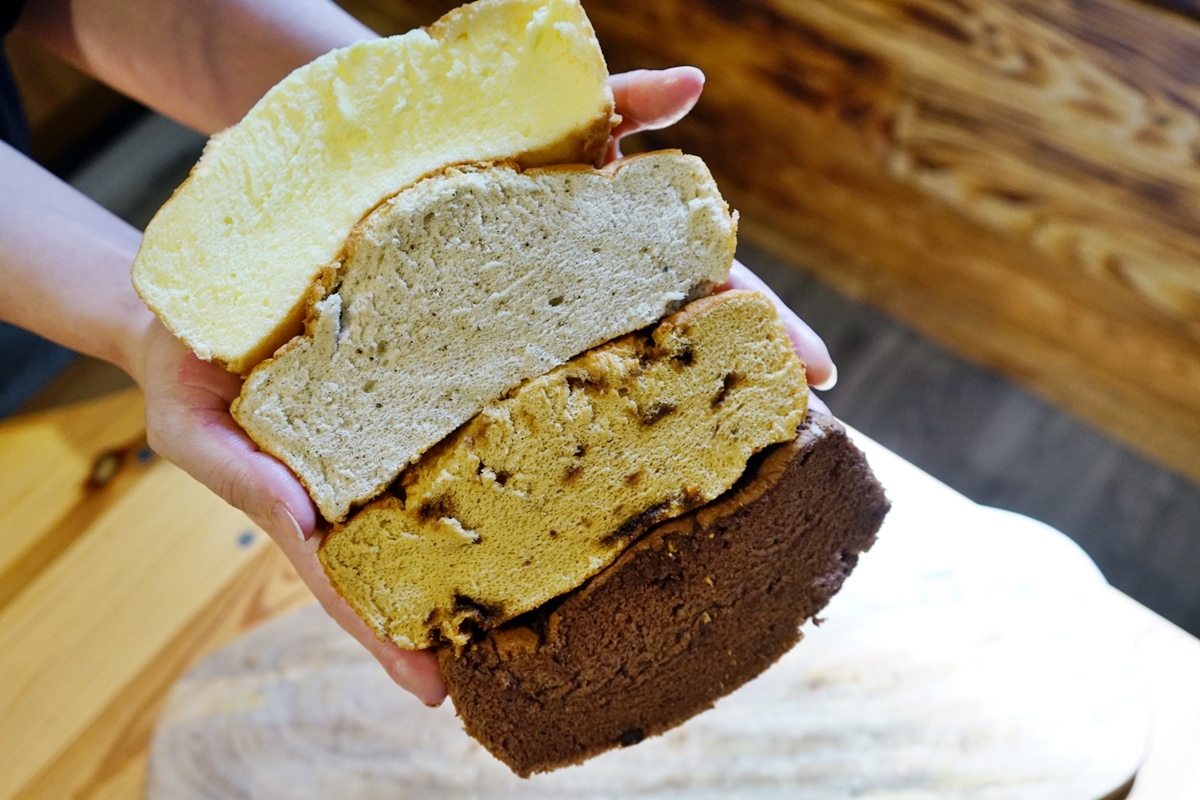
{"points": [[967, 657]]}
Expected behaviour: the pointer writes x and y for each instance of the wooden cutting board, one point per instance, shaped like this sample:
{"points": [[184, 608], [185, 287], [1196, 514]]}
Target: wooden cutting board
{"points": [[971, 655]]}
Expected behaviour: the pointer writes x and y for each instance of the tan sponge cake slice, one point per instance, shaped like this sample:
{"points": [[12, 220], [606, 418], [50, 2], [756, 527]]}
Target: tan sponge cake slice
{"points": [[462, 286], [546, 487], [228, 261]]}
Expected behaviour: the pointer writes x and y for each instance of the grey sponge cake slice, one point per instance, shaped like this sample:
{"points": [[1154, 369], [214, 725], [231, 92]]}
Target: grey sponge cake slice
{"points": [[697, 607], [466, 284]]}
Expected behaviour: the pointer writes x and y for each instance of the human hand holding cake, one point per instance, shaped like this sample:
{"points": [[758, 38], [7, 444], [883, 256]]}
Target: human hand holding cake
{"points": [[189, 423], [469, 297]]}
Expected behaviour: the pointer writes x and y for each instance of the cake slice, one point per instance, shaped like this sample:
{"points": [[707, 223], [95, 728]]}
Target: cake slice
{"points": [[228, 262], [456, 290], [544, 488], [696, 608]]}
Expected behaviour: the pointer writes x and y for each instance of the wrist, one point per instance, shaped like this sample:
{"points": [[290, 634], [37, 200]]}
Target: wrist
{"points": [[130, 354]]}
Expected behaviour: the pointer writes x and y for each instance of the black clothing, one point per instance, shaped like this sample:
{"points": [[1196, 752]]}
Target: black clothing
{"points": [[14, 128]]}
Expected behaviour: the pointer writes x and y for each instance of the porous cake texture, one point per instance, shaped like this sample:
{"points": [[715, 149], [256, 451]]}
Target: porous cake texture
{"points": [[546, 487], [459, 288], [690, 612], [228, 262]]}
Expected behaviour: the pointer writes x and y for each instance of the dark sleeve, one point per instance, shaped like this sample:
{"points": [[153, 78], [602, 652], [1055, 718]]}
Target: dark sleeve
{"points": [[14, 128]]}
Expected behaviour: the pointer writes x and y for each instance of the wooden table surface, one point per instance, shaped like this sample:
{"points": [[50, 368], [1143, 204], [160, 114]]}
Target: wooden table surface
{"points": [[117, 571]]}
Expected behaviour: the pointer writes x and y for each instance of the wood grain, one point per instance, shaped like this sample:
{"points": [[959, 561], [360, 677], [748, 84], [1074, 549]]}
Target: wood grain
{"points": [[104, 597], [1018, 179], [1189, 7], [157, 569], [47, 493], [165, 574], [108, 758], [992, 441]]}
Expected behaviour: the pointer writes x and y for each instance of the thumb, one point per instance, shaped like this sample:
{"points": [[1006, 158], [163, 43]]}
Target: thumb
{"points": [[188, 422], [653, 99]]}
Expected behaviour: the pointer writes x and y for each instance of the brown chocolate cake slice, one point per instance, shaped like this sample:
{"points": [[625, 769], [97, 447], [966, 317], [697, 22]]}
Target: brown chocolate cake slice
{"points": [[696, 608]]}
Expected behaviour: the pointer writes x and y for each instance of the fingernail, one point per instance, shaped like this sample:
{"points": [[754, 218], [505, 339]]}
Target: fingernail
{"points": [[285, 523], [828, 383]]}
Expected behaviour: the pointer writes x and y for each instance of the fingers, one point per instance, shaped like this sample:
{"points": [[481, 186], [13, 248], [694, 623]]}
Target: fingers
{"points": [[650, 100], [188, 423], [415, 671], [822, 374], [653, 99]]}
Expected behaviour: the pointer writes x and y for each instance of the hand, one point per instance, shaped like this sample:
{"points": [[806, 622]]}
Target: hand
{"points": [[649, 101], [820, 369], [188, 422]]}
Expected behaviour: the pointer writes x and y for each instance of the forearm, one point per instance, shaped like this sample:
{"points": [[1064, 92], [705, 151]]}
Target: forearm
{"points": [[201, 62], [64, 266]]}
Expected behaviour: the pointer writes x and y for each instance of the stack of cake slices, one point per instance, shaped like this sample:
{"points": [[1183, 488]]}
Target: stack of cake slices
{"points": [[542, 445]]}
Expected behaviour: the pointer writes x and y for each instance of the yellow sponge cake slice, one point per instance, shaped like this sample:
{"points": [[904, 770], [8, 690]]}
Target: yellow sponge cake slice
{"points": [[546, 487], [228, 261]]}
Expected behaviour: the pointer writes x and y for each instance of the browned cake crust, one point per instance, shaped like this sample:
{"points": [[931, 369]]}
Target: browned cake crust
{"points": [[690, 612]]}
